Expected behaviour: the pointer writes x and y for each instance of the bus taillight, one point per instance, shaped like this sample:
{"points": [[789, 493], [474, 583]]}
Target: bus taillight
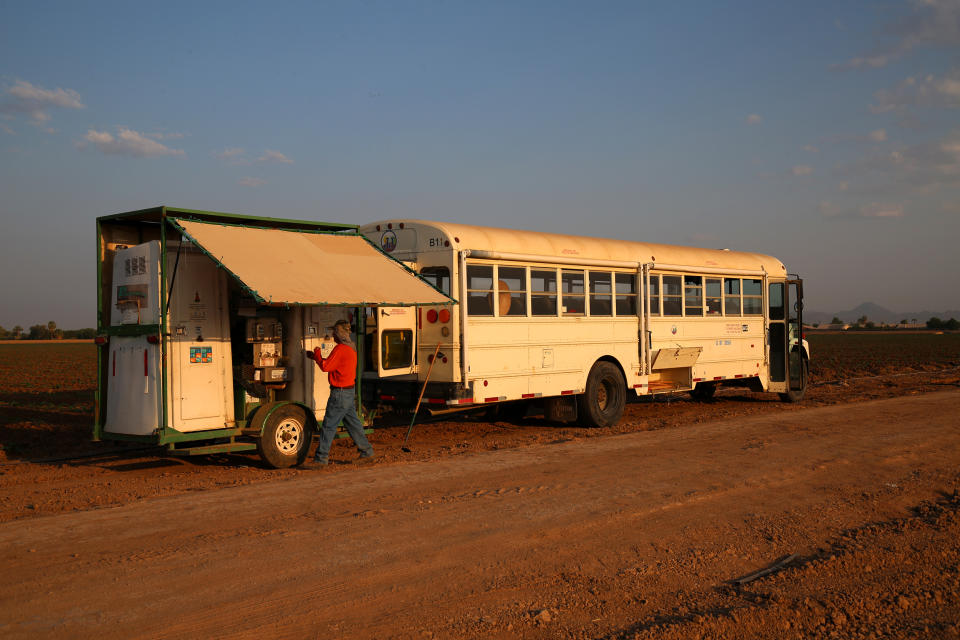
{"points": [[444, 315], [432, 316]]}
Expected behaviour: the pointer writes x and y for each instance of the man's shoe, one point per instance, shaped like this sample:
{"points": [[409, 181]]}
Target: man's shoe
{"points": [[365, 459], [314, 464]]}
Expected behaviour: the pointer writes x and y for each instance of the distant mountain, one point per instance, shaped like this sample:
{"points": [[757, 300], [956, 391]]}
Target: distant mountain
{"points": [[878, 314]]}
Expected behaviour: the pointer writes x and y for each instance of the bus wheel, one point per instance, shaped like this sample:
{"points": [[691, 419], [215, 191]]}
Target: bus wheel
{"points": [[703, 391], [796, 395], [601, 404], [285, 438]]}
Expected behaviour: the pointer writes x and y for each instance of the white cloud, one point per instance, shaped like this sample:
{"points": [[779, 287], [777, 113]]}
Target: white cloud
{"points": [[873, 210], [270, 155], [754, 118], [880, 135], [802, 170], [809, 148], [928, 91], [161, 135], [128, 142], [35, 101], [930, 23], [922, 168], [231, 155], [7, 130], [251, 182], [881, 210]]}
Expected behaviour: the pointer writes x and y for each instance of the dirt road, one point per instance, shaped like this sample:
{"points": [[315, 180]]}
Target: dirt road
{"points": [[631, 535]]}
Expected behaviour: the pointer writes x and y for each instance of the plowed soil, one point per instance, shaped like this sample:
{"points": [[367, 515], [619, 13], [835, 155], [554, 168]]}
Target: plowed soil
{"points": [[504, 529]]}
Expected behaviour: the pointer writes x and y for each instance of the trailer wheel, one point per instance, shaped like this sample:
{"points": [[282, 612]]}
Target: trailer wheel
{"points": [[601, 404], [285, 437], [796, 395], [703, 391]]}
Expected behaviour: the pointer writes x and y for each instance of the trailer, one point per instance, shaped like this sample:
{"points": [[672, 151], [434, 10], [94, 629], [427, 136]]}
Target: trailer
{"points": [[203, 319]]}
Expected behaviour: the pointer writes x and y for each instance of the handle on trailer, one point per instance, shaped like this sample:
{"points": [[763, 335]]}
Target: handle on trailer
{"points": [[420, 399]]}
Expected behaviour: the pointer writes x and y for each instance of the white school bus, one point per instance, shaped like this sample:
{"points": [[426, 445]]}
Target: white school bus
{"points": [[580, 322]]}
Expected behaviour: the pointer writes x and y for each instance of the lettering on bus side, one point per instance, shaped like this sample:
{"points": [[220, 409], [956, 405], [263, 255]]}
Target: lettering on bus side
{"points": [[435, 242]]}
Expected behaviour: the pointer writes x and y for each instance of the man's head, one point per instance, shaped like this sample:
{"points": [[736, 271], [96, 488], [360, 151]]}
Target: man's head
{"points": [[341, 332]]}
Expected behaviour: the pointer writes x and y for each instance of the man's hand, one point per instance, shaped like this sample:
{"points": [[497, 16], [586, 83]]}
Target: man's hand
{"points": [[309, 355]]}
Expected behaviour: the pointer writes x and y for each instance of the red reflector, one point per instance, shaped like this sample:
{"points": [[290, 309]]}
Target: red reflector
{"points": [[445, 315], [401, 225], [567, 393], [153, 339], [444, 359], [378, 227], [389, 225], [432, 316], [388, 398], [527, 395], [698, 379], [436, 401], [718, 378], [419, 317], [146, 363], [493, 399], [100, 340]]}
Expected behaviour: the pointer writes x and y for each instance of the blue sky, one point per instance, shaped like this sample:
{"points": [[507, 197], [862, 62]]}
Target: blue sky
{"points": [[824, 133]]}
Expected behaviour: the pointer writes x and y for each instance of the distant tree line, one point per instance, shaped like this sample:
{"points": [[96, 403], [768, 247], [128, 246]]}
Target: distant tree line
{"points": [[864, 323], [48, 331], [936, 323]]}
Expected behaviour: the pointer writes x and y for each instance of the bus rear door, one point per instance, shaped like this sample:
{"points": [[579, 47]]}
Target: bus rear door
{"points": [[396, 340]]}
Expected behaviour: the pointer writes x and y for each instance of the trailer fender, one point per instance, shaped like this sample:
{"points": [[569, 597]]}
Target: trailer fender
{"points": [[260, 415]]}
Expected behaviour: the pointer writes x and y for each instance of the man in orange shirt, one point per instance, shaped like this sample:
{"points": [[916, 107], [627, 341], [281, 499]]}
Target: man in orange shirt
{"points": [[341, 368]]}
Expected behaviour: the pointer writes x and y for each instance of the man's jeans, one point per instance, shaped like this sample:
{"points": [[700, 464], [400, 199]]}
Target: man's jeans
{"points": [[341, 406]]}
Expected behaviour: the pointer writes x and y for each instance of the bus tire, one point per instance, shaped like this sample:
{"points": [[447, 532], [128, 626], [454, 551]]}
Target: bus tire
{"points": [[285, 438], [792, 395], [601, 404], [703, 391]]}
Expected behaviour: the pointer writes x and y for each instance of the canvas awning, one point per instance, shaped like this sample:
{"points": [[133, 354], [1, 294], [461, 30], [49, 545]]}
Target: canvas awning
{"points": [[302, 267]]}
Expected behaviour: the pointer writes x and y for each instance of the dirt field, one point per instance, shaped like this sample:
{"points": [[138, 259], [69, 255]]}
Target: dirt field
{"points": [[495, 529]]}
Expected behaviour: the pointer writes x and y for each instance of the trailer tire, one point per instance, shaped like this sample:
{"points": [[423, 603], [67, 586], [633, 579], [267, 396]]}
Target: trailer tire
{"points": [[703, 391], [285, 438], [791, 395], [601, 404]]}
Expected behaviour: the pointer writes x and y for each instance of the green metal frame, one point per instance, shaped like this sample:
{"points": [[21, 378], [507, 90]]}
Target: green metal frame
{"points": [[164, 216]]}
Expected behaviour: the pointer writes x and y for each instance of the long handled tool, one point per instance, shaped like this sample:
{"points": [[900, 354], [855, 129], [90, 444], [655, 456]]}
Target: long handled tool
{"points": [[403, 447]]}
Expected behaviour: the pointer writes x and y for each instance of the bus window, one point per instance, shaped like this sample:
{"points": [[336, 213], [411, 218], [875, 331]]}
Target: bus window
{"points": [[543, 293], [512, 291], [693, 295], [731, 296], [573, 292], [654, 295], [714, 297], [672, 296], [626, 294], [752, 297], [601, 294], [775, 301], [439, 277], [479, 290], [396, 348]]}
